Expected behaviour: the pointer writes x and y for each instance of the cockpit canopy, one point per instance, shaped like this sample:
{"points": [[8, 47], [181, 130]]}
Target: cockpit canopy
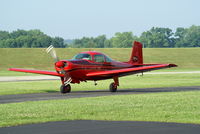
{"points": [[93, 56], [82, 56]]}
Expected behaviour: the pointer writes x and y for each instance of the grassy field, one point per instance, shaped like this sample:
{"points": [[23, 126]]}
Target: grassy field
{"points": [[182, 107], [186, 58], [130, 82], [13, 73]]}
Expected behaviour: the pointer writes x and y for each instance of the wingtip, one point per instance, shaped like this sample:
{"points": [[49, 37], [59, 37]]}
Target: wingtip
{"points": [[9, 69], [173, 65]]}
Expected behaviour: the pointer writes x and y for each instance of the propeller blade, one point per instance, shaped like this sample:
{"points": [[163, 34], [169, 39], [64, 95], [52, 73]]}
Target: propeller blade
{"points": [[52, 52], [58, 63]]}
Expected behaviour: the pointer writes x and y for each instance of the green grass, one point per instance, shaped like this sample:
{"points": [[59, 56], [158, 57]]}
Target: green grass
{"points": [[13, 73], [29, 87], [129, 82], [182, 107], [36, 58]]}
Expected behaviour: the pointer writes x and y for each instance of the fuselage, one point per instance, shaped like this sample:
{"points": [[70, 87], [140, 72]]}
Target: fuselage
{"points": [[87, 62]]}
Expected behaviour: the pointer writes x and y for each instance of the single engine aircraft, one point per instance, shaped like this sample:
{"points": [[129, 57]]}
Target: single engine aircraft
{"points": [[96, 66]]}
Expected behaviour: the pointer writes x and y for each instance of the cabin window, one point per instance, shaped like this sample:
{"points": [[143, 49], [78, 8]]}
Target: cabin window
{"points": [[82, 56], [108, 59], [99, 58]]}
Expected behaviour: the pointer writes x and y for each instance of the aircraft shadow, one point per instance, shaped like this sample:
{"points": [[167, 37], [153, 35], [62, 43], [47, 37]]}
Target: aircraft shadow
{"points": [[145, 90], [51, 91]]}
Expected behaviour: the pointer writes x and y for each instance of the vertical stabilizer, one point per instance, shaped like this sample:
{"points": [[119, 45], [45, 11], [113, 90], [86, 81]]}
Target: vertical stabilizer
{"points": [[136, 56]]}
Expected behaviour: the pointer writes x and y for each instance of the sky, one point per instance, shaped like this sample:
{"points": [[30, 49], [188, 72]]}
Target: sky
{"points": [[72, 19]]}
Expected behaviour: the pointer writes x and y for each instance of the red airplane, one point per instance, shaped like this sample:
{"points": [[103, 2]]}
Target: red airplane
{"points": [[96, 66]]}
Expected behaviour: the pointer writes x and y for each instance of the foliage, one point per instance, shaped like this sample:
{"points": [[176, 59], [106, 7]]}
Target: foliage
{"points": [[87, 42], [188, 37], [156, 37], [27, 39], [122, 39]]}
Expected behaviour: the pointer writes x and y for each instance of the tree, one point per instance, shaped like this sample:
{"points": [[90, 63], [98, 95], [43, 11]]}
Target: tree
{"points": [[91, 42], [108, 44], [124, 39], [4, 35], [180, 37], [158, 37], [16, 34], [76, 43], [100, 41], [188, 37], [155, 37], [192, 36], [31, 38], [57, 42]]}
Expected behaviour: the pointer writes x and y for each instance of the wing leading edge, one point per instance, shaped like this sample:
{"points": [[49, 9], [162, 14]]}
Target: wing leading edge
{"points": [[127, 71], [35, 71]]}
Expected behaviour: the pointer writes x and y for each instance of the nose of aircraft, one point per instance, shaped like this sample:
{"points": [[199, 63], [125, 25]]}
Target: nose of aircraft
{"points": [[60, 64]]}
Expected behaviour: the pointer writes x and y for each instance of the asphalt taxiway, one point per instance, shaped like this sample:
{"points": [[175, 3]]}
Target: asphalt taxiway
{"points": [[97, 127], [103, 127], [81, 94]]}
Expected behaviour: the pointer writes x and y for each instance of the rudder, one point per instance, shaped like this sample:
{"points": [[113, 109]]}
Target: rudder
{"points": [[136, 56]]}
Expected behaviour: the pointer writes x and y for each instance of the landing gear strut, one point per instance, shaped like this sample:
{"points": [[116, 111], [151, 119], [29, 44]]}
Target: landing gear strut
{"points": [[113, 85], [65, 88]]}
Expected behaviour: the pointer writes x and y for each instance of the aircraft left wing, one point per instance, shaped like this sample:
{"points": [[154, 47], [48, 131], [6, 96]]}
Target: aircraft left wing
{"points": [[127, 71], [35, 71]]}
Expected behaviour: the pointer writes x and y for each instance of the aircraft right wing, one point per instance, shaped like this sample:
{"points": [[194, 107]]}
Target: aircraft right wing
{"points": [[128, 71]]}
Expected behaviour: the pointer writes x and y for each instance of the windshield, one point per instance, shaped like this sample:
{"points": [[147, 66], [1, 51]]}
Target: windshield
{"points": [[82, 56], [108, 59]]}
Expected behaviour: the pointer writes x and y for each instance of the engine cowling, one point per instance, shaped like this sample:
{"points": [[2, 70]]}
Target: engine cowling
{"points": [[61, 64]]}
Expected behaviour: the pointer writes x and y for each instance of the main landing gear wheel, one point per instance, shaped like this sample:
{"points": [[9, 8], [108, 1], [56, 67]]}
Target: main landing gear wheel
{"points": [[113, 87], [65, 88]]}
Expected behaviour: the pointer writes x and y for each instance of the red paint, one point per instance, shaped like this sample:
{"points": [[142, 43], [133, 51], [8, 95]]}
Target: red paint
{"points": [[35, 71], [88, 68]]}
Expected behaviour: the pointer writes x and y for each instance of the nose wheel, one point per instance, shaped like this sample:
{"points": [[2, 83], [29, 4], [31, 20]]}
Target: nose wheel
{"points": [[65, 89]]}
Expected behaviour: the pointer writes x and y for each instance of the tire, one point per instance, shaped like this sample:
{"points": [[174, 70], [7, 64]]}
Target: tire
{"points": [[65, 89], [113, 87]]}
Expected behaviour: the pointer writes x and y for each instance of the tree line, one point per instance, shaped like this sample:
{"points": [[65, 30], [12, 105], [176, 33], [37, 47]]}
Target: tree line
{"points": [[28, 39], [156, 37]]}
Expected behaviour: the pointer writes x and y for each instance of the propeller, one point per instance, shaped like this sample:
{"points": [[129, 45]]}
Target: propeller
{"points": [[52, 52], [59, 64]]}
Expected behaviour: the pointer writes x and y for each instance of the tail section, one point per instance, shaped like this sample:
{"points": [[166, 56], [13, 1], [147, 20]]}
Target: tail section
{"points": [[136, 56]]}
